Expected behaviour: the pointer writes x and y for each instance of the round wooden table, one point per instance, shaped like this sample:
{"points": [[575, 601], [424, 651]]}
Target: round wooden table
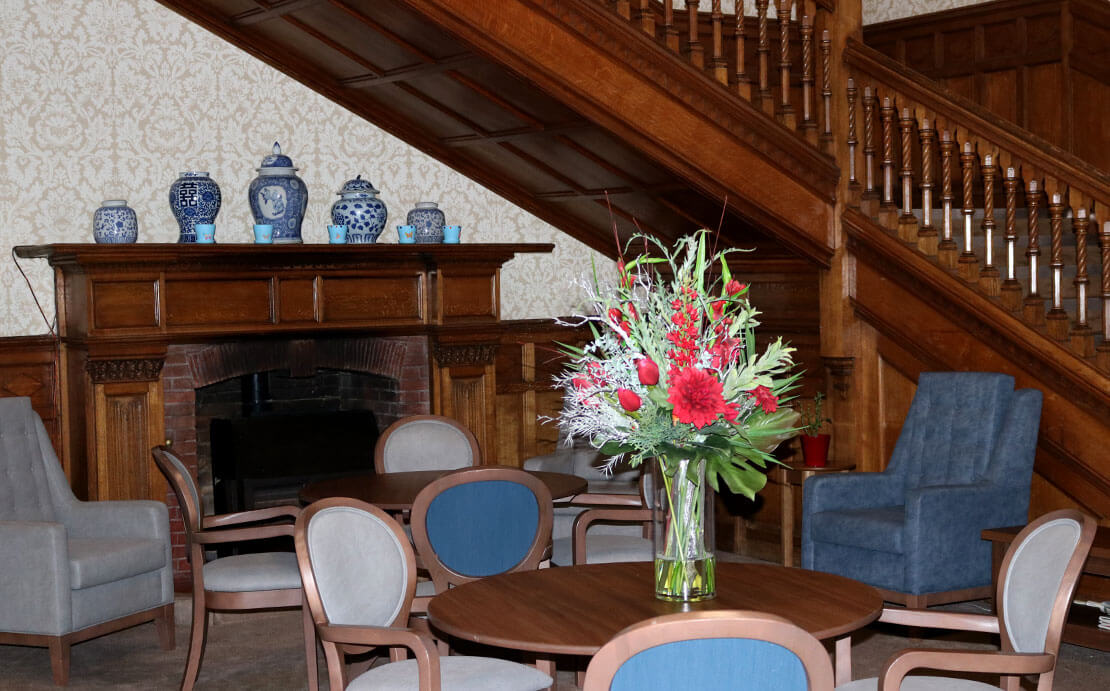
{"points": [[575, 610], [397, 491]]}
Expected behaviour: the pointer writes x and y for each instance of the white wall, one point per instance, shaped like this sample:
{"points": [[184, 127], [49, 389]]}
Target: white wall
{"points": [[107, 99]]}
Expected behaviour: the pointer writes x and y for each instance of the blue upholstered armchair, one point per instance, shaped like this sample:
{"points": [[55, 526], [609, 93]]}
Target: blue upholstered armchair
{"points": [[963, 463], [72, 570]]}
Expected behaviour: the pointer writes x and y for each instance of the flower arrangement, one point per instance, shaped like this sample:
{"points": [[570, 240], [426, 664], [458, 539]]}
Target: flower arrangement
{"points": [[673, 374]]}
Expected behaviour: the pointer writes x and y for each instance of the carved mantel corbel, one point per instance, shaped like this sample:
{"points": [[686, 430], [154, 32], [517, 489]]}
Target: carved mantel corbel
{"points": [[125, 369], [456, 354], [840, 373]]}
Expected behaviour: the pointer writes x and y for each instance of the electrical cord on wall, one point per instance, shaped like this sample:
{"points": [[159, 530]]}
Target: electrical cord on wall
{"points": [[51, 327], [49, 324]]}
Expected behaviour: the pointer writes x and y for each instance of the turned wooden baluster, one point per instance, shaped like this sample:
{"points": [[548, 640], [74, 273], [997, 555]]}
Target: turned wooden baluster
{"points": [[743, 82], [888, 210], [786, 111], [907, 222], [766, 102], [968, 262], [927, 235], [1104, 347], [1082, 338], [718, 63], [809, 125], [988, 276], [1011, 289], [826, 92], [870, 195], [1057, 318], [670, 31], [853, 142], [947, 249], [647, 17], [694, 48], [1034, 304]]}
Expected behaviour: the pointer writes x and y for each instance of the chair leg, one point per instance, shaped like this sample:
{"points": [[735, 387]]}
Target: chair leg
{"points": [[165, 625], [310, 647], [59, 660], [197, 638]]}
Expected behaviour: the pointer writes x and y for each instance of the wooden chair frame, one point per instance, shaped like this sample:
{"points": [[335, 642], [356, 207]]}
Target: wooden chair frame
{"points": [[1007, 663], [710, 624], [379, 447], [336, 639], [221, 529], [635, 511], [442, 575]]}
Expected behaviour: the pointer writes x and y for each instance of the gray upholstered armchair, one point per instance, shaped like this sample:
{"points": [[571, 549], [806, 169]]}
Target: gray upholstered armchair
{"points": [[963, 463], [72, 570]]}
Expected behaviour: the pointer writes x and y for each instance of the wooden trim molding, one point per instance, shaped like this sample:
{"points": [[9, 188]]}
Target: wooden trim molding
{"points": [[468, 354], [107, 371]]}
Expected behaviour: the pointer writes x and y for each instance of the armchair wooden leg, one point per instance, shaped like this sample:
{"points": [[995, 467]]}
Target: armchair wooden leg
{"points": [[310, 647], [165, 625], [59, 660], [197, 638]]}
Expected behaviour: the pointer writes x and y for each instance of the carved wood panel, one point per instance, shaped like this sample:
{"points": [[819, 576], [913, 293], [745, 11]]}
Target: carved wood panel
{"points": [[129, 413], [27, 368]]}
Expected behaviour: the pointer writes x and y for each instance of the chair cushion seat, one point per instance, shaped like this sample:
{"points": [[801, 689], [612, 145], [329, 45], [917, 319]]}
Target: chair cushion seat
{"points": [[603, 549], [94, 561], [920, 683], [880, 529], [456, 673], [249, 572]]}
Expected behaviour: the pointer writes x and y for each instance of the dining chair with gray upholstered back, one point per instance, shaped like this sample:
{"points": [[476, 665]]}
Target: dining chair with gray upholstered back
{"points": [[426, 442], [359, 574]]}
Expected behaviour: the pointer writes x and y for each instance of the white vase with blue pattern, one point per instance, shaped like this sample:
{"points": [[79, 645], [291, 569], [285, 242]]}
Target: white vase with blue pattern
{"points": [[428, 221], [115, 223], [359, 208], [278, 197], [194, 198]]}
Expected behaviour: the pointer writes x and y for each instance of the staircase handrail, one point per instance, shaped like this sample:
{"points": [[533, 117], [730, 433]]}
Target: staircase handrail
{"points": [[1019, 142]]}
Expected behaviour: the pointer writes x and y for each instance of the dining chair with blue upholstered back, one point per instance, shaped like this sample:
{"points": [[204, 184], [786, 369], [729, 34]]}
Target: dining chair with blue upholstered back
{"points": [[711, 651], [1036, 582], [426, 442], [963, 463], [359, 574], [479, 522]]}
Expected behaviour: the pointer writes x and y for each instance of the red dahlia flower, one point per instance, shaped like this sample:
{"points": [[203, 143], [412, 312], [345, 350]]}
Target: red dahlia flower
{"points": [[696, 397]]}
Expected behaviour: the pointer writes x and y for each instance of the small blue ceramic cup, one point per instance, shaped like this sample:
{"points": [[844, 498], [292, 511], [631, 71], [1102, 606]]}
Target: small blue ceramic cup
{"points": [[451, 234], [206, 233], [264, 234], [337, 235], [406, 235]]}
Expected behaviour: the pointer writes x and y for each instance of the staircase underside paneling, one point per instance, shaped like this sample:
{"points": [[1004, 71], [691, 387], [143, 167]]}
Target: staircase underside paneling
{"points": [[551, 105]]}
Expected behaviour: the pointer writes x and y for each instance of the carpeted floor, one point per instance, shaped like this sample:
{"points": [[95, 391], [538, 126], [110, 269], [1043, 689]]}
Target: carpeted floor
{"points": [[263, 651]]}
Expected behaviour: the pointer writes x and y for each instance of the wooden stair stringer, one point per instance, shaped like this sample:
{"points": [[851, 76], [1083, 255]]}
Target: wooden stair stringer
{"points": [[944, 324]]}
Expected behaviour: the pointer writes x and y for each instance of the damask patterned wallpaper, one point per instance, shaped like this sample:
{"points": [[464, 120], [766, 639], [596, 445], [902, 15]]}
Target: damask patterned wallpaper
{"points": [[107, 99], [111, 99]]}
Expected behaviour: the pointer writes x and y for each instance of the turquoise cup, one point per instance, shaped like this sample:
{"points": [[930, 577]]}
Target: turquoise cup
{"points": [[264, 234], [337, 235], [451, 234], [206, 233], [406, 235]]}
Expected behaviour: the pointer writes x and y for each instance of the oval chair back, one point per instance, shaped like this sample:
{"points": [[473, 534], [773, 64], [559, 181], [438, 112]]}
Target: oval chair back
{"points": [[718, 650], [479, 522], [426, 442]]}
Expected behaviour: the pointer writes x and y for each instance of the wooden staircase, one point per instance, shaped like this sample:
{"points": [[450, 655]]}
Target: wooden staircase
{"points": [[818, 143]]}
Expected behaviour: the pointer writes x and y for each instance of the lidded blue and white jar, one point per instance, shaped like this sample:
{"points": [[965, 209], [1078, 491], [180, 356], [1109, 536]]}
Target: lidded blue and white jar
{"points": [[115, 223], [428, 221], [278, 197], [359, 208], [194, 198]]}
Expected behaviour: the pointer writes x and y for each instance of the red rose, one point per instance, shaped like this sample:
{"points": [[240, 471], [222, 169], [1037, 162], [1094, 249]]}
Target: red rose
{"points": [[696, 397], [648, 371], [628, 400], [766, 400]]}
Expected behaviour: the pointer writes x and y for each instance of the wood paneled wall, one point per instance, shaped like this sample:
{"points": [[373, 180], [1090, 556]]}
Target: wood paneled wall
{"points": [[28, 368], [1042, 65]]}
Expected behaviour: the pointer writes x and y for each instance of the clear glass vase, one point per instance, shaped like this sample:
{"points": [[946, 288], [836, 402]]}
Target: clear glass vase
{"points": [[682, 535]]}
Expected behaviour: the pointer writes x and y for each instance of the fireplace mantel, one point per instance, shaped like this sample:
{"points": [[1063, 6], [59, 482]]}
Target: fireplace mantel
{"points": [[121, 306]]}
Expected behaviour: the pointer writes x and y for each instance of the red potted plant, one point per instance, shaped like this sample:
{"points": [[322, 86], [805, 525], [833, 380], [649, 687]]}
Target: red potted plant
{"points": [[815, 445]]}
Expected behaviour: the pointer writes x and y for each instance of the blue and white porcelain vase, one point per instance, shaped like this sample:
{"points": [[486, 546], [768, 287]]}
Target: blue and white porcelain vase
{"points": [[428, 221], [194, 198], [115, 223], [359, 208], [278, 197]]}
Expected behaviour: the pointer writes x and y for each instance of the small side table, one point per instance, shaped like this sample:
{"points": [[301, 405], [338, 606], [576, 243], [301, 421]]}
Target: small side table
{"points": [[796, 474]]}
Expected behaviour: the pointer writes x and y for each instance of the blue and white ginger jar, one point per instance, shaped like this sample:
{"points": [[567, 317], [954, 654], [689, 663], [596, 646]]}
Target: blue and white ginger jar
{"points": [[359, 208], [428, 221], [115, 223], [194, 198], [278, 197]]}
